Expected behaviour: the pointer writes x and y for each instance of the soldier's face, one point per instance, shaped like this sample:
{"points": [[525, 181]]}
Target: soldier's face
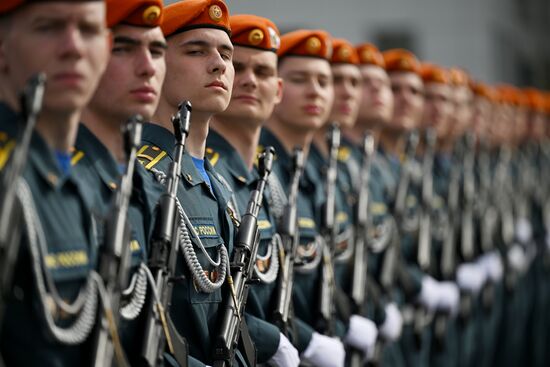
{"points": [[307, 93], [199, 64], [67, 41], [438, 107], [461, 118], [377, 97], [133, 79], [408, 94], [347, 94], [257, 87]]}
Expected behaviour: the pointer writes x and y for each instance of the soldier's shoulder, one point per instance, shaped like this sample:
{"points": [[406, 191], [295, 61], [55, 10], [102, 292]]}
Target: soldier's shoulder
{"points": [[150, 156]]}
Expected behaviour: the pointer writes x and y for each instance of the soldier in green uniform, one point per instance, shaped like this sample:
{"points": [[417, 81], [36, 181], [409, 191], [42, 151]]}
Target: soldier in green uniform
{"points": [[130, 85], [232, 144], [307, 95], [199, 62], [438, 107], [51, 309], [362, 332], [375, 110]]}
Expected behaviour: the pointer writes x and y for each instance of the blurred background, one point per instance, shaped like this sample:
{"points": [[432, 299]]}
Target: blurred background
{"points": [[495, 40]]}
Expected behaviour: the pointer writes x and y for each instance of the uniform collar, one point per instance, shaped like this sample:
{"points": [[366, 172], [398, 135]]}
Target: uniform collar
{"points": [[45, 163], [225, 154], [102, 160], [9, 121]]}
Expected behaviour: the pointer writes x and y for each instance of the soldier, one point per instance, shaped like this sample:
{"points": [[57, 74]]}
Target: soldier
{"points": [[231, 147], [130, 85], [199, 62], [362, 332], [375, 110], [51, 307], [307, 95]]}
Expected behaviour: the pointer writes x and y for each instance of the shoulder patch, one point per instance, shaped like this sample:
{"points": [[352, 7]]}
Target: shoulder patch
{"points": [[212, 156], [149, 156], [343, 154], [76, 156]]}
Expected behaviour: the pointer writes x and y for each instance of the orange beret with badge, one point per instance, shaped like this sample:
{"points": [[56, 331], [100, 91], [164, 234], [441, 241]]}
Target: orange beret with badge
{"points": [[144, 13], [369, 54], [304, 42], [343, 52], [459, 77], [483, 90], [432, 73], [192, 14], [254, 31], [401, 60]]}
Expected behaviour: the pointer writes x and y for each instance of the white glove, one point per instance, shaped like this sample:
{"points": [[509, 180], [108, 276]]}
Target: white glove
{"points": [[362, 334], [286, 355], [517, 258], [492, 264], [393, 324], [429, 293], [324, 351], [524, 230], [449, 297], [470, 277]]}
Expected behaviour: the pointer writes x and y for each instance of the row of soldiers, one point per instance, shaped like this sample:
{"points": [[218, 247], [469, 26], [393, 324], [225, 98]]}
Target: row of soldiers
{"points": [[396, 214]]}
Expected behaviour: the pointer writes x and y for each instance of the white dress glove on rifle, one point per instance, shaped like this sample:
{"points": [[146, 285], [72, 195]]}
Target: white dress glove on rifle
{"points": [[449, 299], [362, 334], [470, 277], [286, 354], [393, 324], [491, 262], [324, 351], [429, 293], [517, 258]]}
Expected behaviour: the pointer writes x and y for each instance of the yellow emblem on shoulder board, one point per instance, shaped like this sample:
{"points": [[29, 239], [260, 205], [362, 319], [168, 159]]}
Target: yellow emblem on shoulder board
{"points": [[149, 156]]}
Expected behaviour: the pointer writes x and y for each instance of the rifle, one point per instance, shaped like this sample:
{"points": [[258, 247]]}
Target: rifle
{"points": [[449, 250], [467, 235], [359, 275], [114, 265], [242, 268], [10, 211], [328, 286], [162, 258], [422, 318], [288, 230]]}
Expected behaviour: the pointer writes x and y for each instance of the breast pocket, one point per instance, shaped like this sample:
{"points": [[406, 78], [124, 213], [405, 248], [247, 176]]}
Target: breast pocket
{"points": [[207, 243]]}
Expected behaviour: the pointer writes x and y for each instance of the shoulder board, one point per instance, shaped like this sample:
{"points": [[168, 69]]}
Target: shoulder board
{"points": [[150, 155], [212, 156], [343, 154], [76, 156], [6, 148]]}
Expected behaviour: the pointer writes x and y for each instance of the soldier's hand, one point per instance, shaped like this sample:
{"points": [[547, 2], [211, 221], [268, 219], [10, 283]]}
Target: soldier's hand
{"points": [[393, 324], [324, 351], [286, 354], [362, 334]]}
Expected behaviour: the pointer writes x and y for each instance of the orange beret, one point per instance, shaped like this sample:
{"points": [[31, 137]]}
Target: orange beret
{"points": [[483, 90], [459, 77], [8, 5], [509, 94], [191, 14], [401, 60], [146, 13], [304, 42], [343, 52], [254, 31], [432, 73], [535, 99], [369, 54]]}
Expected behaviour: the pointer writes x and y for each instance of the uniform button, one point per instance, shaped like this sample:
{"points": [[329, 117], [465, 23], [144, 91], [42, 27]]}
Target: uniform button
{"points": [[112, 185], [189, 177]]}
